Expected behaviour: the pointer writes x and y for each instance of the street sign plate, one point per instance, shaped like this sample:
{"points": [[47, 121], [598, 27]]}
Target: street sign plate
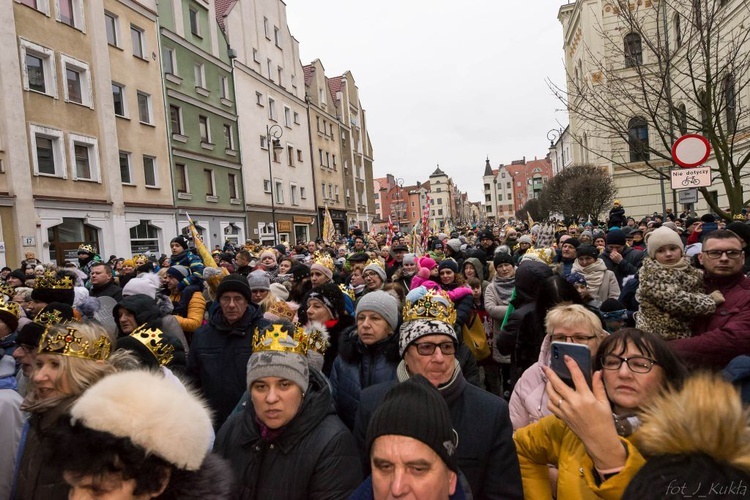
{"points": [[691, 177], [687, 196], [691, 150]]}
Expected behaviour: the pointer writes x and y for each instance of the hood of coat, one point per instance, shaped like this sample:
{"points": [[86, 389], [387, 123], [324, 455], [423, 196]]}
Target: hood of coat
{"points": [[143, 307], [529, 276], [478, 267], [164, 304], [316, 405], [351, 349]]}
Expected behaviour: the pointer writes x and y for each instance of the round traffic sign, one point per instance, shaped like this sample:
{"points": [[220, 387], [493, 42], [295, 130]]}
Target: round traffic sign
{"points": [[691, 150]]}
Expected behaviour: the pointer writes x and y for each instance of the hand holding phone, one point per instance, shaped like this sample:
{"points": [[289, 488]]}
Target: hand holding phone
{"points": [[579, 352]]}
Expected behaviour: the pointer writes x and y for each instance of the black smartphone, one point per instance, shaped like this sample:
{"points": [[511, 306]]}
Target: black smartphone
{"points": [[579, 352]]}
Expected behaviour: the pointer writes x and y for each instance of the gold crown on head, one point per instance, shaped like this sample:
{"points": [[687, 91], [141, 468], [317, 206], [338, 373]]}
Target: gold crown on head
{"points": [[153, 339], [434, 305], [68, 342], [377, 262], [7, 290], [50, 281], [348, 291], [281, 309], [10, 307], [278, 337], [324, 260], [316, 336], [50, 317]]}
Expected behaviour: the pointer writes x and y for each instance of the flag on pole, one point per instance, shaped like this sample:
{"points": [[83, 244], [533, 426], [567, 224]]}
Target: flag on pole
{"points": [[329, 230], [531, 221], [389, 240]]}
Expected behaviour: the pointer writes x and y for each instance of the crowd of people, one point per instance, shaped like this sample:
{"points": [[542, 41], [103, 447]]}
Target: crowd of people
{"points": [[386, 367]]}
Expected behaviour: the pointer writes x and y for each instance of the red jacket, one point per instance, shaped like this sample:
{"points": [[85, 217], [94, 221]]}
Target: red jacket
{"points": [[721, 337]]}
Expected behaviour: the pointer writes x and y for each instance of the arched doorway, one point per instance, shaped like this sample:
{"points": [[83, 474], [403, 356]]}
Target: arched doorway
{"points": [[65, 238]]}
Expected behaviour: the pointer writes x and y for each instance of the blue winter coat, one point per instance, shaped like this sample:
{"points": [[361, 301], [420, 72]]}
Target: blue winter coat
{"points": [[359, 366], [194, 263]]}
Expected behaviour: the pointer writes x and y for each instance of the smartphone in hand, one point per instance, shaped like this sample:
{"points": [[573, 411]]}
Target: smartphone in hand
{"points": [[579, 352]]}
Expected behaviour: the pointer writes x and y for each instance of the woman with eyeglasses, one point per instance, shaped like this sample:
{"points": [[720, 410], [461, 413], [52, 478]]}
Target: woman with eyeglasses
{"points": [[671, 292], [588, 437]]}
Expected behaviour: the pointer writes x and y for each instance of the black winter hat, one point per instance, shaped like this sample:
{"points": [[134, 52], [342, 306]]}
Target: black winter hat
{"points": [[529, 276], [17, 273], [478, 254], [572, 241], [611, 305], [415, 409], [486, 235], [331, 296], [708, 218], [448, 264], [502, 258], [615, 237], [180, 240], [587, 250], [234, 283], [300, 272], [358, 257]]}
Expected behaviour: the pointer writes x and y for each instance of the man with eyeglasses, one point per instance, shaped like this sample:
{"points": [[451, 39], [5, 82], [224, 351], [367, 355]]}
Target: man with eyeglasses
{"points": [[428, 346], [222, 347], [725, 334]]}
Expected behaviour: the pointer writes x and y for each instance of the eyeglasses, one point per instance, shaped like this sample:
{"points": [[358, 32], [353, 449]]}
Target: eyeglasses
{"points": [[577, 338], [636, 364], [370, 274], [428, 348], [716, 254]]}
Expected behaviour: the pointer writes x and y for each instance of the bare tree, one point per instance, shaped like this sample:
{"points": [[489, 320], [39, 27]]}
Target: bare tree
{"points": [[671, 67], [579, 191]]}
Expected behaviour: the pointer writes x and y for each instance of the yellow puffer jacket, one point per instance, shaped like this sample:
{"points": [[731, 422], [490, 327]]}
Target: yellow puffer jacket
{"points": [[195, 311], [550, 441]]}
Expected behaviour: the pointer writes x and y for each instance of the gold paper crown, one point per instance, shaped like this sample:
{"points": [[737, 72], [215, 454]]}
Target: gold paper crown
{"points": [[10, 307], [738, 217], [281, 310], [316, 336], [324, 260], [70, 343], [435, 305], [50, 281], [7, 290], [545, 255], [278, 337], [51, 317], [377, 262], [85, 247], [347, 291], [153, 339]]}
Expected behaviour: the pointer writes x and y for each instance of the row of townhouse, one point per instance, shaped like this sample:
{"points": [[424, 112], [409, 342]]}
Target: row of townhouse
{"points": [[121, 118], [507, 188]]}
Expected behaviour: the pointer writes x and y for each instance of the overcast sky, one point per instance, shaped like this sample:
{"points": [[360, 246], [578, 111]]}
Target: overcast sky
{"points": [[443, 82]]}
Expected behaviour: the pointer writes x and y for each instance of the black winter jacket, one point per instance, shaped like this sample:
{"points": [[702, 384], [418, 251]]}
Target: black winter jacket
{"points": [[335, 333], [217, 362], [315, 456], [631, 262], [359, 366]]}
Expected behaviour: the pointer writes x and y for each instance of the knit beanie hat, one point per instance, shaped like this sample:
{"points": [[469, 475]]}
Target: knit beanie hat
{"points": [[279, 291], [454, 244], [414, 408], [576, 279], [142, 285], [428, 263], [502, 258], [267, 253], [180, 240], [283, 364], [571, 241], [448, 264], [376, 268], [17, 273], [661, 237], [332, 298], [615, 237], [410, 258], [147, 408], [258, 280], [317, 266], [740, 229], [299, 272], [415, 329], [525, 239], [178, 272], [383, 303], [233, 283], [587, 251]]}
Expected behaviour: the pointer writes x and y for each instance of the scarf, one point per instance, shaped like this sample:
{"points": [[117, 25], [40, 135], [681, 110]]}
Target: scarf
{"points": [[450, 390], [504, 288], [594, 274]]}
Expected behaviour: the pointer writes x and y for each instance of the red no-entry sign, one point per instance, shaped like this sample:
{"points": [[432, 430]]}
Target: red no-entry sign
{"points": [[691, 150]]}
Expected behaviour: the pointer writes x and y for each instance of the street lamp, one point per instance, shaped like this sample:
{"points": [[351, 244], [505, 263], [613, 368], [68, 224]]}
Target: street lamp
{"points": [[273, 141], [400, 192]]}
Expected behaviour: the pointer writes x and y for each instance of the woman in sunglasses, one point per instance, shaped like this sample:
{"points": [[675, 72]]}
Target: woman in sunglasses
{"points": [[588, 437]]}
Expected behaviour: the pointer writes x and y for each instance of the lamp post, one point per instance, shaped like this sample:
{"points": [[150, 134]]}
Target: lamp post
{"points": [[400, 194], [273, 141], [553, 135]]}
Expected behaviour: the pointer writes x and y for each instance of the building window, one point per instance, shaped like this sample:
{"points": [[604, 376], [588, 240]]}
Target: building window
{"points": [[70, 12], [181, 178], [638, 139], [296, 118], [149, 171], [730, 100], [677, 23], [175, 119], [199, 71], [168, 59], [302, 193], [136, 38], [290, 155], [323, 186], [320, 155], [228, 136], [439, 201], [110, 23], [279, 191], [266, 31], [48, 155], [334, 161], [224, 87], [269, 66], [40, 5], [38, 69], [287, 117], [77, 81], [266, 186], [271, 109], [277, 36], [633, 50], [125, 174], [204, 129], [144, 107], [210, 185], [232, 180], [144, 238], [299, 155], [84, 156], [280, 73], [118, 99], [293, 194], [195, 27], [259, 99]]}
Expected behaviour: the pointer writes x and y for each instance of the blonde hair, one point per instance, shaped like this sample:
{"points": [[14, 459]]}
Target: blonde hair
{"points": [[80, 373], [568, 314]]}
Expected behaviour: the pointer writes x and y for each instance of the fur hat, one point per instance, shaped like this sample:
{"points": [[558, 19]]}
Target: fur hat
{"points": [[155, 413], [331, 296], [233, 283], [258, 280], [383, 303], [661, 237], [180, 240]]}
